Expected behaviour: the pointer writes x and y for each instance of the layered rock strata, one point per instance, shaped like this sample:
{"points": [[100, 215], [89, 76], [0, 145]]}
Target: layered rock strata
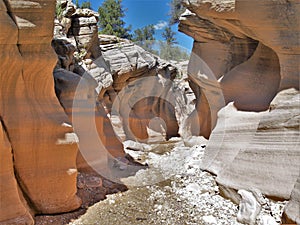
{"points": [[76, 88], [142, 90], [38, 146], [115, 68], [247, 52], [226, 30]]}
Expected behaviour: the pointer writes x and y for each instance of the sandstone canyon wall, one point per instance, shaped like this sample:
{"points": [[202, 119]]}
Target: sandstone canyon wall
{"points": [[142, 90], [38, 147], [76, 88], [131, 83], [247, 52], [103, 80]]}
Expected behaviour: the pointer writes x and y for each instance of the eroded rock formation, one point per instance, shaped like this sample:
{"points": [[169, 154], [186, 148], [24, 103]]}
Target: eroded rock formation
{"points": [[38, 147], [121, 70], [142, 90], [246, 52], [225, 29], [76, 88], [265, 153]]}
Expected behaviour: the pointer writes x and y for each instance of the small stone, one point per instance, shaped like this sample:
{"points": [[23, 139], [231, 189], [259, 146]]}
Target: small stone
{"points": [[191, 171], [159, 207], [267, 220], [193, 187], [209, 219], [93, 182], [249, 208], [88, 61], [111, 201], [80, 185]]}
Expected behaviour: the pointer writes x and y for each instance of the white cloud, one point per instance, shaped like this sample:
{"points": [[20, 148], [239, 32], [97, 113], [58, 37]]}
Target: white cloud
{"points": [[160, 25]]}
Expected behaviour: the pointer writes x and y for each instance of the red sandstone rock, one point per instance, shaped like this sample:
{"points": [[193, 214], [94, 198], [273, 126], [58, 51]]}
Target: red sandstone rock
{"points": [[40, 159]]}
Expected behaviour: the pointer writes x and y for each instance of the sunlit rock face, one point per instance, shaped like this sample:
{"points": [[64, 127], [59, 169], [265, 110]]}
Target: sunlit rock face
{"points": [[247, 52], [76, 87], [252, 45], [293, 207], [265, 151], [133, 85], [142, 89], [38, 148], [128, 81], [85, 30]]}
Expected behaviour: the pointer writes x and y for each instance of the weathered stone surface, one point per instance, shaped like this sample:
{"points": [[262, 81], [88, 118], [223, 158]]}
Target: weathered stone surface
{"points": [[85, 31], [64, 50], [261, 73], [266, 153], [292, 209], [232, 33], [39, 166], [249, 208], [123, 63], [246, 52], [71, 89], [222, 49], [118, 63], [63, 22], [114, 67], [142, 90], [13, 207], [110, 39], [67, 86]]}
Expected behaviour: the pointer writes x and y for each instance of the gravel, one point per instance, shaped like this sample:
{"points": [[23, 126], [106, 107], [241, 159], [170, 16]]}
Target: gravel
{"points": [[173, 190]]}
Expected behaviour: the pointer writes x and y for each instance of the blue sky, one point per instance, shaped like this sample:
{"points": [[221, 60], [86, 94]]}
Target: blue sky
{"points": [[144, 12]]}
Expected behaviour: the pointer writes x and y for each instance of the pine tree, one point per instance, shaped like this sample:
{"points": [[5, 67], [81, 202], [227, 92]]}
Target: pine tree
{"points": [[145, 33], [86, 5], [169, 36], [176, 10], [58, 10], [111, 13], [145, 37], [169, 50]]}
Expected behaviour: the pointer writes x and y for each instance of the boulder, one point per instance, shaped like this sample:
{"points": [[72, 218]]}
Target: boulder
{"points": [[292, 209], [249, 208]]}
